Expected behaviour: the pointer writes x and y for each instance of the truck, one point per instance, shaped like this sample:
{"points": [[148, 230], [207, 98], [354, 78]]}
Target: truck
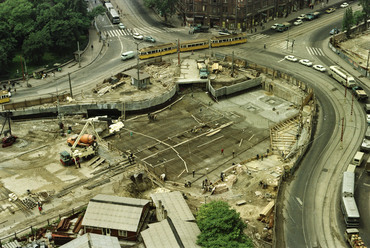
{"points": [[359, 93], [84, 153], [200, 29], [311, 16], [85, 140], [203, 71], [353, 238], [283, 27]]}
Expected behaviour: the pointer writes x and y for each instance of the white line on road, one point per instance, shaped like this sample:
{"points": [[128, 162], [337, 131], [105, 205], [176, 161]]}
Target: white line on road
{"points": [[281, 60], [299, 201]]}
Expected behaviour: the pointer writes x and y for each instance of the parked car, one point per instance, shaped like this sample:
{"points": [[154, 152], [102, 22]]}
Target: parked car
{"points": [[273, 27], [334, 31], [121, 26], [301, 17], [149, 39], [319, 68], [137, 36], [330, 10], [365, 146], [298, 22], [344, 5], [305, 62], [291, 58], [368, 119]]}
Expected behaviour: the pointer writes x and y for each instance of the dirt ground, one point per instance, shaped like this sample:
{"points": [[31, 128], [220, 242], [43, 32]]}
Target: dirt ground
{"points": [[186, 136], [358, 48]]}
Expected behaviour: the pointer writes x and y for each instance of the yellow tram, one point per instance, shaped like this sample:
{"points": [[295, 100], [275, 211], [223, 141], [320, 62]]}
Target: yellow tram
{"points": [[4, 96], [191, 45]]}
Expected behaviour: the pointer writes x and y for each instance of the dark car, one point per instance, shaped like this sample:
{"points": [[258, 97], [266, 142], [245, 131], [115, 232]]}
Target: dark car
{"points": [[334, 31], [149, 39]]}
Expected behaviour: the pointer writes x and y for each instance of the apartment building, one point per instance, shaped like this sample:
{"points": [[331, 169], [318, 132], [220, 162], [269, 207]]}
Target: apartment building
{"points": [[237, 14]]}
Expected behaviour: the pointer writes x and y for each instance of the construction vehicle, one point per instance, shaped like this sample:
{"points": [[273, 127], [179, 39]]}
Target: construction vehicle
{"points": [[83, 152], [353, 238], [8, 138], [85, 140]]}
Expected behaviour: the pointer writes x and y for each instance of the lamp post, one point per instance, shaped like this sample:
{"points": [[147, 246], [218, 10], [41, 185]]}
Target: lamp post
{"points": [[137, 63]]}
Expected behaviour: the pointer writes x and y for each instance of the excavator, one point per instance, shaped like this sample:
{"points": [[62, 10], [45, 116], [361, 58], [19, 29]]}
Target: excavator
{"points": [[8, 138]]}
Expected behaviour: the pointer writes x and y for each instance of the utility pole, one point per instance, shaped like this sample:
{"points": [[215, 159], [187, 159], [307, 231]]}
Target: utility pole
{"points": [[137, 62], [178, 52], [341, 135], [70, 85], [367, 66], [79, 55]]}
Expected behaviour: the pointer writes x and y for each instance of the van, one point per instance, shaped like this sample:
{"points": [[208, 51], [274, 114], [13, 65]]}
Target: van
{"points": [[358, 158], [127, 55], [367, 108], [367, 134]]}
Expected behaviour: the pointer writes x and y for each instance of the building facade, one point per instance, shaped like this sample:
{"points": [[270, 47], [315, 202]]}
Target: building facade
{"points": [[237, 14]]}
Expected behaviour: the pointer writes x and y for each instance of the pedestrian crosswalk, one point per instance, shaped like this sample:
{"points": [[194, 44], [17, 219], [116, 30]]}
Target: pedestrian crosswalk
{"points": [[315, 51], [141, 30], [258, 36]]}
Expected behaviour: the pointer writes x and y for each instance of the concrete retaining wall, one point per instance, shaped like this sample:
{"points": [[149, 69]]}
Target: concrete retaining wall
{"points": [[228, 90]]}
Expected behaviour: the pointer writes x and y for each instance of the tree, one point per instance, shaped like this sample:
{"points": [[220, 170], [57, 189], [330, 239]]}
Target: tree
{"points": [[365, 10], [7, 47], [221, 227], [166, 8], [348, 21]]}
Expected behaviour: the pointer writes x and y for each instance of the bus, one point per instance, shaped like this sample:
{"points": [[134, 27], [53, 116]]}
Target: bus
{"points": [[113, 16], [4, 96], [108, 6], [348, 184], [342, 76], [350, 212]]}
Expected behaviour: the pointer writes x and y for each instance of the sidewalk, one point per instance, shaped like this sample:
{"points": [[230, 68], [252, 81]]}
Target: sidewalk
{"points": [[88, 56]]}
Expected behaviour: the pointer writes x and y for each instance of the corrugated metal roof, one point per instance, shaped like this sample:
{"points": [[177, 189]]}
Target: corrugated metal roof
{"points": [[175, 204], [121, 213], [95, 240], [161, 234]]}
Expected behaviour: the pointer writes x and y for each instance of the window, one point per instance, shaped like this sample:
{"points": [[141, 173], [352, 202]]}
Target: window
{"points": [[106, 231], [204, 8], [122, 233]]}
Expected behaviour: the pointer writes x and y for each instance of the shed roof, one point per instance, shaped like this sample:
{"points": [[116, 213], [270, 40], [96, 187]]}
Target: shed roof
{"points": [[89, 240], [171, 233], [175, 204], [114, 212]]}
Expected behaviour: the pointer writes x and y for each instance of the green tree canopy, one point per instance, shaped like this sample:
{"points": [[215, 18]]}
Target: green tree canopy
{"points": [[348, 21], [36, 27], [365, 9], [166, 8], [221, 227]]}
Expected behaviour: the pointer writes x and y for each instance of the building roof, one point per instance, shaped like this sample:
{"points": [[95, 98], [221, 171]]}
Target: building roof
{"points": [[171, 233], [133, 73], [114, 212], [89, 240], [175, 204]]}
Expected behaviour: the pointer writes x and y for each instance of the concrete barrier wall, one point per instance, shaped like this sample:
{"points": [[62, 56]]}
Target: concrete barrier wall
{"points": [[228, 90]]}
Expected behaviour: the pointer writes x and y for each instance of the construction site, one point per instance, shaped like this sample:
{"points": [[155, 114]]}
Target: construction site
{"points": [[221, 138]]}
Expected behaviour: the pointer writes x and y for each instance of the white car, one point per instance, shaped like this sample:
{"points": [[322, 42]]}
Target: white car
{"points": [[319, 68], [298, 22], [274, 26], [121, 26], [365, 146], [137, 36], [368, 119], [305, 62], [344, 5], [301, 17], [291, 58]]}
